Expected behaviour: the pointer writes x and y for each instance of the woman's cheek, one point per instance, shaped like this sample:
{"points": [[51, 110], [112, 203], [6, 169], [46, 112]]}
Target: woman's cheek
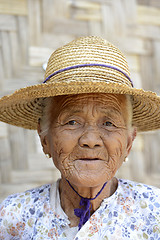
{"points": [[68, 140], [62, 144]]}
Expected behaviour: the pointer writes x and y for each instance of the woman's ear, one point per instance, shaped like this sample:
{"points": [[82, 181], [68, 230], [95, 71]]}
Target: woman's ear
{"points": [[131, 137], [44, 140]]}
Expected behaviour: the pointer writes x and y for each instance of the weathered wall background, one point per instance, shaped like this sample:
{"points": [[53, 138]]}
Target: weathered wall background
{"points": [[30, 30]]}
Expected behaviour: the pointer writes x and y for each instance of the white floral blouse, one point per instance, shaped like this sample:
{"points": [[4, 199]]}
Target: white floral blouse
{"points": [[132, 212]]}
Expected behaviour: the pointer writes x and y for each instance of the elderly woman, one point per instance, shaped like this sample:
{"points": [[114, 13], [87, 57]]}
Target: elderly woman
{"points": [[87, 113]]}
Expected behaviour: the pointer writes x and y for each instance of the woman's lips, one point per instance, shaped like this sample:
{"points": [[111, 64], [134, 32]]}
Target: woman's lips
{"points": [[89, 164], [89, 159]]}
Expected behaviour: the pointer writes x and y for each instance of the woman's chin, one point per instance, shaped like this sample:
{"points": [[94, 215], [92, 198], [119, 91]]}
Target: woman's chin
{"points": [[87, 179]]}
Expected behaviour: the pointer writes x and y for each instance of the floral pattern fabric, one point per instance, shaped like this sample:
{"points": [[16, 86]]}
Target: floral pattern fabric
{"points": [[132, 212]]}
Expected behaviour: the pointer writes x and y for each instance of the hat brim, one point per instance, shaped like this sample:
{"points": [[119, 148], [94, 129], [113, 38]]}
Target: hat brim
{"points": [[23, 108]]}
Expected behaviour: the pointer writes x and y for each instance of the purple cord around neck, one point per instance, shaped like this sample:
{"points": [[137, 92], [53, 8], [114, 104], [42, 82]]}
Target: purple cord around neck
{"points": [[85, 211], [88, 65]]}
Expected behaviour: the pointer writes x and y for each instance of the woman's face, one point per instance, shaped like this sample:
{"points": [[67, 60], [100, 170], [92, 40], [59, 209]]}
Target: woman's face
{"points": [[88, 137]]}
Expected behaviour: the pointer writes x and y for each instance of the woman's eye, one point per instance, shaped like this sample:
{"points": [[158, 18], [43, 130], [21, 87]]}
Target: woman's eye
{"points": [[72, 122], [108, 124]]}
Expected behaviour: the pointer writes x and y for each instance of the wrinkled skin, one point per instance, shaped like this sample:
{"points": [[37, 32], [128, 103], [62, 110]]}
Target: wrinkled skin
{"points": [[88, 141]]}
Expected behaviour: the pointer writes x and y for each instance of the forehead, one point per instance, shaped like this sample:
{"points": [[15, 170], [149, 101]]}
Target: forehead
{"points": [[102, 100]]}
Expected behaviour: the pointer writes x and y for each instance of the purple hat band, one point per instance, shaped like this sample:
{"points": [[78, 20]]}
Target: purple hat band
{"points": [[88, 65]]}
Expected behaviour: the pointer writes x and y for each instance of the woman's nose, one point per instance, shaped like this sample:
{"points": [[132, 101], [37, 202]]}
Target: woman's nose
{"points": [[90, 139]]}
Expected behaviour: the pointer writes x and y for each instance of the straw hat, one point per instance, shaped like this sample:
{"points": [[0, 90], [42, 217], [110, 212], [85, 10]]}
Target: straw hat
{"points": [[86, 65]]}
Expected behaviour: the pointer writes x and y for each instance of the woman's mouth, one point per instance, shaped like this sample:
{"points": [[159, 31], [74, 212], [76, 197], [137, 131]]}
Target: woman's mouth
{"points": [[89, 159]]}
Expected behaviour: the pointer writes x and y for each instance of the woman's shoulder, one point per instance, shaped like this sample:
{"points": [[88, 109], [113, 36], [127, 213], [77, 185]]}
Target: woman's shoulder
{"points": [[139, 190], [18, 212], [19, 204], [29, 196], [134, 184]]}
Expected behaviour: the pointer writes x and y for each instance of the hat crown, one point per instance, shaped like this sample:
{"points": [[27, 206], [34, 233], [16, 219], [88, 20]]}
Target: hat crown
{"points": [[88, 50]]}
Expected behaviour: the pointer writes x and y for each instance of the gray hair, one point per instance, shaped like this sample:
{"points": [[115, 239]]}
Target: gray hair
{"points": [[129, 111], [45, 119], [46, 116]]}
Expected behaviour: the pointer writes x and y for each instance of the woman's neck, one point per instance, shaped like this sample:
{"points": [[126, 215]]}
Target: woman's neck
{"points": [[70, 199]]}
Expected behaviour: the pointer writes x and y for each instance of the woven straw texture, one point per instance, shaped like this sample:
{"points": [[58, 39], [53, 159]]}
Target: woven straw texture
{"points": [[23, 108]]}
